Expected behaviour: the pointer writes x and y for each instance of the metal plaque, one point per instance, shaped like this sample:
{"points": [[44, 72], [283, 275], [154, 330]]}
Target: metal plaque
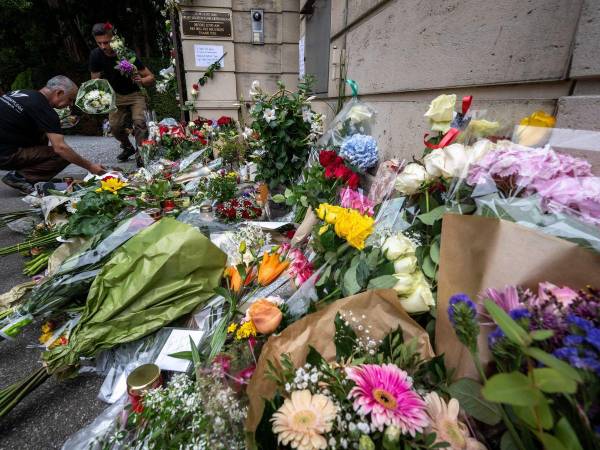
{"points": [[206, 23]]}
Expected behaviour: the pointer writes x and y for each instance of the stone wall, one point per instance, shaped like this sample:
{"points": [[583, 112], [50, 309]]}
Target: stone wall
{"points": [[513, 56], [276, 59]]}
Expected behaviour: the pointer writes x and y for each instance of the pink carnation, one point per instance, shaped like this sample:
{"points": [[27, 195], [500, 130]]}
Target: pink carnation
{"points": [[301, 269], [385, 392]]}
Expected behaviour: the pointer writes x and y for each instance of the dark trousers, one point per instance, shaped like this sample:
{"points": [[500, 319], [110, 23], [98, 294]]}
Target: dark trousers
{"points": [[38, 163]]}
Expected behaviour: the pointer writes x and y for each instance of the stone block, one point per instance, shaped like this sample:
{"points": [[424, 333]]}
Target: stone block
{"points": [[267, 5], [586, 54], [290, 28], [268, 82], [258, 58], [242, 27], [579, 112], [289, 58], [338, 16], [587, 87], [356, 8], [187, 47], [219, 88], [446, 43], [207, 3]]}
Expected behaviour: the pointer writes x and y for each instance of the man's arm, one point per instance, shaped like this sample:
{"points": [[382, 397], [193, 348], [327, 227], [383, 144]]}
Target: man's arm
{"points": [[61, 148], [145, 77], [96, 75]]}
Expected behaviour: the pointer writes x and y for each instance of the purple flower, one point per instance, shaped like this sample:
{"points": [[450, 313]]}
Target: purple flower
{"points": [[495, 336], [125, 67], [520, 313], [462, 313], [584, 325], [507, 298], [458, 300]]}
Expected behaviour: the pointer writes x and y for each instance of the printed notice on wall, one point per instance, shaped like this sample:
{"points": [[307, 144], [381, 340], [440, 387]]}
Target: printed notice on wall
{"points": [[208, 54], [301, 58]]}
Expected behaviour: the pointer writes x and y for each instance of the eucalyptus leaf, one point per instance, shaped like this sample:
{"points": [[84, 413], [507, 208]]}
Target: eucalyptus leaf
{"points": [[432, 216], [468, 393], [434, 252], [383, 282], [428, 268], [350, 282]]}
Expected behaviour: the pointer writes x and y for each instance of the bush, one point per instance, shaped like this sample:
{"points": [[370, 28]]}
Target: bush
{"points": [[165, 105]]}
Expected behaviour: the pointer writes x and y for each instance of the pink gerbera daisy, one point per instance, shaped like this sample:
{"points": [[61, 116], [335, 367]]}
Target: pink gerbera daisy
{"points": [[385, 391]]}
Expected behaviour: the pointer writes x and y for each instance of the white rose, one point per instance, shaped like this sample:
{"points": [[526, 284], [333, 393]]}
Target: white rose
{"points": [[359, 113], [457, 161], [441, 112], [411, 178], [435, 162], [420, 300], [396, 246], [407, 264], [404, 284], [255, 88]]}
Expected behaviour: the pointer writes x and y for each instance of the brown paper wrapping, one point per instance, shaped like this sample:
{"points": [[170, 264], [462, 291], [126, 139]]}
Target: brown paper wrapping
{"points": [[10, 298], [479, 253], [305, 228], [383, 313]]}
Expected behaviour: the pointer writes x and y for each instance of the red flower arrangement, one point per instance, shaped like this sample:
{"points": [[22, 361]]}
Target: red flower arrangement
{"points": [[238, 209], [224, 121], [336, 168]]}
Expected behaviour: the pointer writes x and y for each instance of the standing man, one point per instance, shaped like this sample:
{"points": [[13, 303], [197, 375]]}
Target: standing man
{"points": [[130, 99], [27, 122]]}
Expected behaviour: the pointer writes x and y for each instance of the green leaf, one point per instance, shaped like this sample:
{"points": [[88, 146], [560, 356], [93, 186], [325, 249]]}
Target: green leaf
{"points": [[552, 381], [383, 282], [553, 362], [195, 353], [468, 393], [512, 388], [550, 442], [434, 252], [344, 339], [278, 198], [428, 268], [182, 355], [432, 216], [541, 335], [507, 443], [565, 434], [531, 414], [351, 285], [512, 329], [314, 357]]}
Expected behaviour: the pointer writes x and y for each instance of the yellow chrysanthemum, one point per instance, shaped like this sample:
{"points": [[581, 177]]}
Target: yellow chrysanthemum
{"points": [[349, 224], [245, 330], [323, 229], [231, 328], [111, 185]]}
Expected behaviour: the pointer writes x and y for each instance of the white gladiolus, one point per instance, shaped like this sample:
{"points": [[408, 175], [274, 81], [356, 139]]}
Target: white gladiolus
{"points": [[411, 178]]}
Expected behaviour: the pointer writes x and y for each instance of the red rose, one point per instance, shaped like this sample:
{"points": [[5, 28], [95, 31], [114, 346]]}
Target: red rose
{"points": [[326, 157], [330, 171], [342, 172], [224, 120], [195, 86], [108, 26], [353, 181]]}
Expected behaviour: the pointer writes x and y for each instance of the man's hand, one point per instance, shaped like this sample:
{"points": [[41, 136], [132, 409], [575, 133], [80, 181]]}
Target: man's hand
{"points": [[137, 78], [97, 169]]}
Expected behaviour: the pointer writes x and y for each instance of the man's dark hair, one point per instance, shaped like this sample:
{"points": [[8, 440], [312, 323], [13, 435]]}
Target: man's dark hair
{"points": [[100, 29]]}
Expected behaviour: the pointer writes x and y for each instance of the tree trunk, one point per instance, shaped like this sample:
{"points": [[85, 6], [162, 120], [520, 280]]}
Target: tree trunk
{"points": [[74, 43]]}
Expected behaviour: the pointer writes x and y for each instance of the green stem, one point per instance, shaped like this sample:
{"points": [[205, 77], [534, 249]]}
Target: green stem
{"points": [[426, 200], [507, 422]]}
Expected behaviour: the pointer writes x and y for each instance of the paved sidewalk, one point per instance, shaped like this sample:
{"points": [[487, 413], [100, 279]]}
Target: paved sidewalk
{"points": [[47, 417]]}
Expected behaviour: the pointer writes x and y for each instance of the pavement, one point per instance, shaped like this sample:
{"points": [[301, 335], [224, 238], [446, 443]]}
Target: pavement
{"points": [[57, 409]]}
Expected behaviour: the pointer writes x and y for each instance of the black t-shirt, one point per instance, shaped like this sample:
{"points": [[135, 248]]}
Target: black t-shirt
{"points": [[25, 115], [122, 84]]}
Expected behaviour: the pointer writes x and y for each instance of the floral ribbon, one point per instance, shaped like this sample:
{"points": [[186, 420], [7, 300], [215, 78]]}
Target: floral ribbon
{"points": [[451, 135], [354, 86]]}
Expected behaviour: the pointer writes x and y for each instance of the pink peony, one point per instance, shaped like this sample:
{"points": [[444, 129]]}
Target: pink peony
{"points": [[385, 392]]}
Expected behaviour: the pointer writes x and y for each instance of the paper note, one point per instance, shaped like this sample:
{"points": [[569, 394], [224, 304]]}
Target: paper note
{"points": [[208, 54], [178, 341], [301, 58]]}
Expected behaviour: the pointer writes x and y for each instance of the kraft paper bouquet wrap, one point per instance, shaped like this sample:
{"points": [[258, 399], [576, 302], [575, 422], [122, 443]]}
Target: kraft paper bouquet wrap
{"points": [[383, 313], [479, 253]]}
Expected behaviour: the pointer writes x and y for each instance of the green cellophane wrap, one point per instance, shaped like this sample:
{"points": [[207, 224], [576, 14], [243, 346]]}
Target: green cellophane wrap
{"points": [[161, 274]]}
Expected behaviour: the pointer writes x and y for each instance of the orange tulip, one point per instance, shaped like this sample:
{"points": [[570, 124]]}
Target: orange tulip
{"points": [[265, 315], [270, 268], [235, 280]]}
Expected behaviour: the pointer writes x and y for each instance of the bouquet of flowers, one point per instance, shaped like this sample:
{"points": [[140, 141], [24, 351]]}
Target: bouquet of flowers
{"points": [[546, 363], [96, 97], [377, 394], [237, 209]]}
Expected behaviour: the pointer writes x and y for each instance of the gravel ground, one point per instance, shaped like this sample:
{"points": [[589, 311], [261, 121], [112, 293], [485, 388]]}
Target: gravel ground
{"points": [[47, 417]]}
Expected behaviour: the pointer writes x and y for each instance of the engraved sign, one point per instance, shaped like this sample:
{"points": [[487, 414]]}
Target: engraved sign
{"points": [[206, 23]]}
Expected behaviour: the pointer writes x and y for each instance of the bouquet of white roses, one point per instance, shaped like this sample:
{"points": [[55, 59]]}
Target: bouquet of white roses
{"points": [[96, 97]]}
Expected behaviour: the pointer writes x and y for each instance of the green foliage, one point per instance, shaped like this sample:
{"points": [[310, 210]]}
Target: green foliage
{"points": [[163, 104], [221, 187], [95, 213], [468, 393], [22, 81], [285, 139]]}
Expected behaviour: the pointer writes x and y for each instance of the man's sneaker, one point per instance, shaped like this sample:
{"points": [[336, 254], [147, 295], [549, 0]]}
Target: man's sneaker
{"points": [[125, 154], [16, 181]]}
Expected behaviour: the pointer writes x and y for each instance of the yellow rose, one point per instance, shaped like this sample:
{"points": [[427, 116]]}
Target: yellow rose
{"points": [[483, 128], [539, 119], [441, 112]]}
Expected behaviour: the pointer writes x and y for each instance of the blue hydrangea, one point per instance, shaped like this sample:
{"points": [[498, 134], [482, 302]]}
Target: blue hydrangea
{"points": [[361, 151]]}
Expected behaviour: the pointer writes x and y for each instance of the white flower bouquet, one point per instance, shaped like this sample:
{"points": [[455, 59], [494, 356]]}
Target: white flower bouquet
{"points": [[96, 97]]}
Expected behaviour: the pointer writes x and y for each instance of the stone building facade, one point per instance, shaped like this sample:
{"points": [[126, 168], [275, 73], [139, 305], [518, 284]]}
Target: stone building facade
{"points": [[513, 56]]}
